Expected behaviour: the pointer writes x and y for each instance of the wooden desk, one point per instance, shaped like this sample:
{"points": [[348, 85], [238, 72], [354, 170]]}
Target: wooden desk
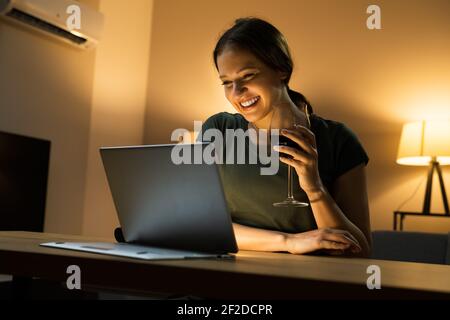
{"points": [[251, 275]]}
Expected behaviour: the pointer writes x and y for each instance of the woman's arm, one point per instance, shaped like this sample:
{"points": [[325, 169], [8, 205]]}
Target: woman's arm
{"points": [[349, 195], [332, 240], [249, 238], [349, 190]]}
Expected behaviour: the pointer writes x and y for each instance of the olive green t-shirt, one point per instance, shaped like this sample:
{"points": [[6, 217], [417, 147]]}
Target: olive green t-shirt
{"points": [[250, 195]]}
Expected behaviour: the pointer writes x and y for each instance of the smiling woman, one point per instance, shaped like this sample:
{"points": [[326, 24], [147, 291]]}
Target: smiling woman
{"points": [[254, 64]]}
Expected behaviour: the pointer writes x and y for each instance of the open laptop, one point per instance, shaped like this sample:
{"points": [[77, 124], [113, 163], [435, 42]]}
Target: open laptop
{"points": [[166, 210]]}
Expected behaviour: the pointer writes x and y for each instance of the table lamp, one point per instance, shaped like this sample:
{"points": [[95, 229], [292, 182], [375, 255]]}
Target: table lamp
{"points": [[427, 143]]}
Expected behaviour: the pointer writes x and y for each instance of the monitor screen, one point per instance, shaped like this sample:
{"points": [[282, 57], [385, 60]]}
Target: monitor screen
{"points": [[24, 164]]}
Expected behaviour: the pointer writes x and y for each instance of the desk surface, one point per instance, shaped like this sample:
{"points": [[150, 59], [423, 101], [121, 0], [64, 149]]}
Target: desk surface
{"points": [[256, 275]]}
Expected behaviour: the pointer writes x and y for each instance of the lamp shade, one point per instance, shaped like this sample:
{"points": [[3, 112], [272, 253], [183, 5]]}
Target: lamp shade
{"points": [[422, 141]]}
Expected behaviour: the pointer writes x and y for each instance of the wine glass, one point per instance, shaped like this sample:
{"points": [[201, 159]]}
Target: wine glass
{"points": [[287, 117]]}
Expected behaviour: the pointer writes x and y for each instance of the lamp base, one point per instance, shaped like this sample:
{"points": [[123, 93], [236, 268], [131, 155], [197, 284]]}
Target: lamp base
{"points": [[434, 165]]}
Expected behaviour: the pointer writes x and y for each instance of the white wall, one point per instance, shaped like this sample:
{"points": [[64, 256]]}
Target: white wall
{"points": [[119, 101], [80, 100], [45, 92]]}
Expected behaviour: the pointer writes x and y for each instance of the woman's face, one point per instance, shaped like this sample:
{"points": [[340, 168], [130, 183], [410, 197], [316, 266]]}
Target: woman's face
{"points": [[250, 86]]}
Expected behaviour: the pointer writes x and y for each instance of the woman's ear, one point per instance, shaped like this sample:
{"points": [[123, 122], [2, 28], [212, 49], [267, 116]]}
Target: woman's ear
{"points": [[282, 75]]}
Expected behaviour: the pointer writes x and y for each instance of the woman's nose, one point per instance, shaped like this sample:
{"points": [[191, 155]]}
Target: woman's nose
{"points": [[238, 88]]}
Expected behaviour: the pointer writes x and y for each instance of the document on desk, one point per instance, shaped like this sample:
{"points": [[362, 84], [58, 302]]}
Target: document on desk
{"points": [[133, 251]]}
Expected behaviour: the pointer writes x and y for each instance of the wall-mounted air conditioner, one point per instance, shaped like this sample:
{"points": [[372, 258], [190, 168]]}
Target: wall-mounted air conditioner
{"points": [[51, 17]]}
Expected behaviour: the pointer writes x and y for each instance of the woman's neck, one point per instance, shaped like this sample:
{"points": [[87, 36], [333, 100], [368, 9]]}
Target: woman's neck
{"points": [[266, 121]]}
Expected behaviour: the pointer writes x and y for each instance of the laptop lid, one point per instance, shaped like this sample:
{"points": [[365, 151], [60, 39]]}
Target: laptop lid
{"points": [[164, 204]]}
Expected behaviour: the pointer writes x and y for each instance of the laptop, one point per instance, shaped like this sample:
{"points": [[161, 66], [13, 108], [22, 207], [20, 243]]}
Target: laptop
{"points": [[166, 210]]}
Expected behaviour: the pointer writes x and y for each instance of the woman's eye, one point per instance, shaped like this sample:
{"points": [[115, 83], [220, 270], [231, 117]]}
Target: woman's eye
{"points": [[246, 77]]}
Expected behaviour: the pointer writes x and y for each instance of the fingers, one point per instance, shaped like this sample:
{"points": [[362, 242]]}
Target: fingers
{"points": [[295, 153], [330, 241], [306, 132], [337, 248], [300, 140], [342, 236], [289, 161], [302, 133], [338, 238], [356, 247], [333, 245], [346, 234], [305, 144]]}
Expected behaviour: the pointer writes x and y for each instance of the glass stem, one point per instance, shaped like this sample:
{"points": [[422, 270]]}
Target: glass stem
{"points": [[290, 186]]}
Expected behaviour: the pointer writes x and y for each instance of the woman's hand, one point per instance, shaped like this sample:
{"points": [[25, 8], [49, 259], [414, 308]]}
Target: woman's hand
{"points": [[331, 241], [304, 160]]}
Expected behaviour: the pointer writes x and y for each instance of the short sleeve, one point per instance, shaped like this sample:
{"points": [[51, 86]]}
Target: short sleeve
{"points": [[349, 151]]}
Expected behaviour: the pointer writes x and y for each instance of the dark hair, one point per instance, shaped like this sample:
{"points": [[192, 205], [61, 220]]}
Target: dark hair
{"points": [[267, 43]]}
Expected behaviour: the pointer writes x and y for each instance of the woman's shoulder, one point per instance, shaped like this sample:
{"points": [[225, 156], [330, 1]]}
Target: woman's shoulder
{"points": [[339, 144], [225, 120]]}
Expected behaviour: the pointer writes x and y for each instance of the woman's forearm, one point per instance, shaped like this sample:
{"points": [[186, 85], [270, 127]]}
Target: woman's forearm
{"points": [[249, 238], [328, 215]]}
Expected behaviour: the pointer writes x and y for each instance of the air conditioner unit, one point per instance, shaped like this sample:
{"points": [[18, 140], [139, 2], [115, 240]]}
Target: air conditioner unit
{"points": [[51, 16]]}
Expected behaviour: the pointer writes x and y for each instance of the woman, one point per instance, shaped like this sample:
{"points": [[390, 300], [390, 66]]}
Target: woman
{"points": [[255, 66]]}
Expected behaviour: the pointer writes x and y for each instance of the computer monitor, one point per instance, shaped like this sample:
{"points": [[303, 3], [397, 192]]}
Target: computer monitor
{"points": [[24, 166]]}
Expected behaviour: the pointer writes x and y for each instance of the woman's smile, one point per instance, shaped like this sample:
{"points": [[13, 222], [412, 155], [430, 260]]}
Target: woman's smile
{"points": [[248, 105]]}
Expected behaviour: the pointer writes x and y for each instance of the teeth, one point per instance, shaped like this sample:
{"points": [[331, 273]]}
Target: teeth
{"points": [[249, 102]]}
